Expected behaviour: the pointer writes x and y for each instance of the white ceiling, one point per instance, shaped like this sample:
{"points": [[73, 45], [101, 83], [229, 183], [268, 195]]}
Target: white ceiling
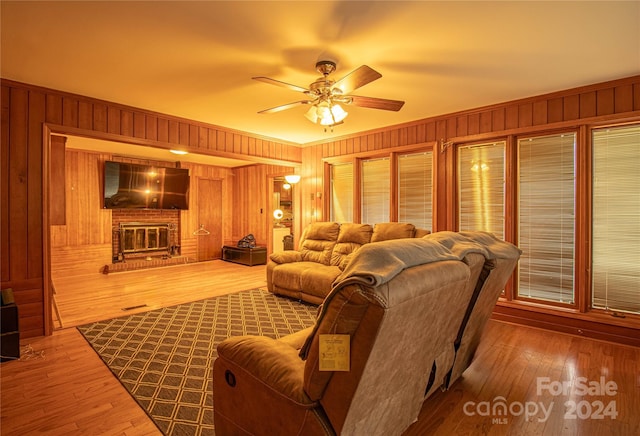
{"points": [[196, 59]]}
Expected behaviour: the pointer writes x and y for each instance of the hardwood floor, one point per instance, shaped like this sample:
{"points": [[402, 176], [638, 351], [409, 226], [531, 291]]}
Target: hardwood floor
{"points": [[94, 297], [64, 388], [524, 368]]}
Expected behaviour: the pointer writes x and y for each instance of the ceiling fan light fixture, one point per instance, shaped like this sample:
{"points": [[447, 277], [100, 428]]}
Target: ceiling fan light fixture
{"points": [[325, 95], [292, 178], [312, 114], [325, 114], [338, 113]]}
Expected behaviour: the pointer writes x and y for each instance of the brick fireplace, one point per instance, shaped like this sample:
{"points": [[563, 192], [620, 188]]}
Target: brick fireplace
{"points": [[145, 234]]}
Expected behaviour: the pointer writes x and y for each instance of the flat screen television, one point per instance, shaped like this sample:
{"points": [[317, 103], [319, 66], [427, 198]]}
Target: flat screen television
{"points": [[135, 186]]}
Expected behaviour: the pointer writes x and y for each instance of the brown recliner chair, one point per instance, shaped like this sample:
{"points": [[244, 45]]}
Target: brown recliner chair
{"points": [[501, 260], [401, 303]]}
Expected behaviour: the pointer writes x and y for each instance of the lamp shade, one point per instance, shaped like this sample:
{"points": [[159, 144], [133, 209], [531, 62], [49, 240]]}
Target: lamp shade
{"points": [[338, 113], [326, 114]]}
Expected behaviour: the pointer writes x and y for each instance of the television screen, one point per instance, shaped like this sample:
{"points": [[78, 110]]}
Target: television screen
{"points": [[135, 186]]}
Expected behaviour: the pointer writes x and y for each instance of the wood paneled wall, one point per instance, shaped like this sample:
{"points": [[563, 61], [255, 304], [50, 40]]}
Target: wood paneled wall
{"points": [[78, 246], [244, 196], [610, 101], [25, 109], [86, 222], [600, 104], [22, 258], [251, 207]]}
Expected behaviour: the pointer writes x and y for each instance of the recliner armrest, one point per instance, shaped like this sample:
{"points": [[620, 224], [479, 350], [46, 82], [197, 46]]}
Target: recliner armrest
{"points": [[275, 363], [296, 340], [287, 256], [258, 388]]}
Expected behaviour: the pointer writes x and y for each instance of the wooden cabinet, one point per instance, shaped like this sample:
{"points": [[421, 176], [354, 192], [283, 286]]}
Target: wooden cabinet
{"points": [[245, 256]]}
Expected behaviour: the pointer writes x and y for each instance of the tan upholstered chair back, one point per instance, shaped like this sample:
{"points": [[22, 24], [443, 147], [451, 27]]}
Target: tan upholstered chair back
{"points": [[397, 330]]}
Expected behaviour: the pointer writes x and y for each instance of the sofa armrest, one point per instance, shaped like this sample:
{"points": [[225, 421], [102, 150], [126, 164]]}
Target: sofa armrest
{"points": [[274, 363], [287, 256]]}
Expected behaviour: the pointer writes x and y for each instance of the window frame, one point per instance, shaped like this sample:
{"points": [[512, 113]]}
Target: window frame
{"points": [[390, 153], [445, 204], [515, 217], [588, 258], [582, 305]]}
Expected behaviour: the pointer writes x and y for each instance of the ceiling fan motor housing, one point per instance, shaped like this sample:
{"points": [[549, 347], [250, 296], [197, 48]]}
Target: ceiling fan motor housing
{"points": [[321, 86], [325, 67]]}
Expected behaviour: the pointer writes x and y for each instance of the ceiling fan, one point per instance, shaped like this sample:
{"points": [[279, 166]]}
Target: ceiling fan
{"points": [[326, 95]]}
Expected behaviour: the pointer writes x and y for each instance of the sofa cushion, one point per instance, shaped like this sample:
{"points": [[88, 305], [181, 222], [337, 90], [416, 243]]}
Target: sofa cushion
{"points": [[318, 243], [357, 233], [317, 251], [316, 281], [342, 252], [386, 231], [326, 231], [351, 237], [287, 275]]}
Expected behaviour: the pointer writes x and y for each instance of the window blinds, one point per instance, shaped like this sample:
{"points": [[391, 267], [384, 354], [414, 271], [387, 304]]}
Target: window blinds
{"points": [[415, 180], [375, 191], [616, 219], [546, 217], [342, 193], [481, 187]]}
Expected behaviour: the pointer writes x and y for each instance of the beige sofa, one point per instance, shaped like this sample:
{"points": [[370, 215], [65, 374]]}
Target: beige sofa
{"points": [[411, 310], [324, 249]]}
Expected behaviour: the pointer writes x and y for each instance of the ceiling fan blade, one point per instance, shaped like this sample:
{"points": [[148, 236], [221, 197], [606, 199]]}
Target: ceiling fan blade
{"points": [[376, 103], [279, 83], [285, 106], [357, 78]]}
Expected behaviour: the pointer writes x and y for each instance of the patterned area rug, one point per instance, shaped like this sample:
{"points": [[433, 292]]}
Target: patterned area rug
{"points": [[164, 358]]}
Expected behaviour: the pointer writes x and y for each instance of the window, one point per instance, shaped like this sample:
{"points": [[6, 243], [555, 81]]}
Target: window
{"points": [[616, 219], [375, 191], [415, 180], [481, 188], [342, 193], [546, 206]]}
